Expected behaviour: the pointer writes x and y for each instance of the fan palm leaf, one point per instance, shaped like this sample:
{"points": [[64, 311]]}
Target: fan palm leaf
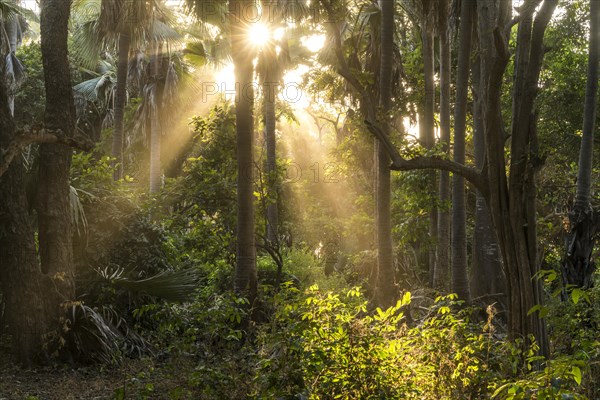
{"points": [[176, 286]]}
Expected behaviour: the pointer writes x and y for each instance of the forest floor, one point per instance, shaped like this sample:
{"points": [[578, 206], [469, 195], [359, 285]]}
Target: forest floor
{"points": [[144, 378]]}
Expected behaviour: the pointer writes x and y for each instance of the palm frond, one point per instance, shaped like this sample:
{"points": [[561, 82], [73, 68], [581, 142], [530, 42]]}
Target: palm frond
{"points": [[88, 44], [89, 336], [14, 71], [162, 32], [169, 285], [99, 335], [9, 9], [210, 12], [78, 218]]}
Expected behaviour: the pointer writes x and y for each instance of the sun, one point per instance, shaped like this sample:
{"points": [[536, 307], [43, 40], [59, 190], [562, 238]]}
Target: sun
{"points": [[258, 34]]}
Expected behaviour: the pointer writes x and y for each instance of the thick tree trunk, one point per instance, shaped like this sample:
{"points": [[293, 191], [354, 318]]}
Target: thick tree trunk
{"points": [[120, 100], [487, 276], [511, 202], [245, 272], [155, 132], [442, 265], [23, 285], [386, 271], [427, 122], [53, 203], [578, 266], [460, 281]]}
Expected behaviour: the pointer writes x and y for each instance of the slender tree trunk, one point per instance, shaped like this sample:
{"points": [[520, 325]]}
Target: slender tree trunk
{"points": [[245, 272], [386, 271], [460, 281], [427, 129], [53, 204], [120, 100], [442, 265], [270, 86], [155, 131], [578, 267]]}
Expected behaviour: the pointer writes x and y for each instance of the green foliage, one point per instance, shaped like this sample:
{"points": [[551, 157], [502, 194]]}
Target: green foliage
{"points": [[327, 345], [30, 99], [203, 197]]}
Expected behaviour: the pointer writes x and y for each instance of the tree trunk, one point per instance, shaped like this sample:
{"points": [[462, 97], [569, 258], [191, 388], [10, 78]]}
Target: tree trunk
{"points": [[511, 202], [120, 100], [442, 265], [155, 132], [53, 203], [22, 282], [245, 271], [578, 267], [427, 129], [487, 276], [385, 264], [270, 86], [460, 281]]}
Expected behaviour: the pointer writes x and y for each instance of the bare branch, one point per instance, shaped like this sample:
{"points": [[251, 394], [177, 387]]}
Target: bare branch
{"points": [[28, 137], [399, 163]]}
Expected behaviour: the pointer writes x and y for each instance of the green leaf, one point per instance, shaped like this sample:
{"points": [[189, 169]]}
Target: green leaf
{"points": [[576, 372], [576, 294], [406, 299], [534, 309]]}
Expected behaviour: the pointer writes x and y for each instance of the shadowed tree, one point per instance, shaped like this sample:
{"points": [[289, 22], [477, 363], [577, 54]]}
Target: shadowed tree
{"points": [[487, 277], [427, 121], [460, 281], [386, 271], [508, 184], [442, 264], [578, 266], [34, 300], [20, 276]]}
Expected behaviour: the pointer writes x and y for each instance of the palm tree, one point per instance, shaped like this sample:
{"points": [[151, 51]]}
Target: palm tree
{"points": [[237, 24], [578, 267], [12, 26], [155, 134], [121, 23], [460, 281], [269, 68], [364, 33], [53, 205]]}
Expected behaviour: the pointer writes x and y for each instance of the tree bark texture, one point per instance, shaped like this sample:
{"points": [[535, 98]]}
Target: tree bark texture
{"points": [[245, 271], [385, 263]]}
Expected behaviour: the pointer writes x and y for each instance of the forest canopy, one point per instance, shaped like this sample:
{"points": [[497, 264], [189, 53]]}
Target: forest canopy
{"points": [[290, 199]]}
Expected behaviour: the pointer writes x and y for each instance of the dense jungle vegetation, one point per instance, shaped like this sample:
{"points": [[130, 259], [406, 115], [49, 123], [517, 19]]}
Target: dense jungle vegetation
{"points": [[299, 199]]}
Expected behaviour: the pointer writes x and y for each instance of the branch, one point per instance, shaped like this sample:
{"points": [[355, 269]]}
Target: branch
{"points": [[343, 68], [501, 47], [399, 163], [28, 137]]}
